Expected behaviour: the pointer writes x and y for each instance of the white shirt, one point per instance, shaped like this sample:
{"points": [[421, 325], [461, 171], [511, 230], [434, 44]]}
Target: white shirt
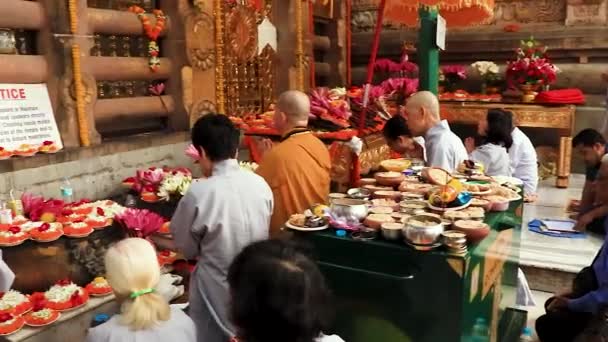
{"points": [[420, 141], [178, 328], [494, 159], [444, 149], [524, 162]]}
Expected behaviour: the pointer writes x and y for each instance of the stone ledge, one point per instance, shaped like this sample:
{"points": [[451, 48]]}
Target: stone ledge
{"points": [[109, 147]]}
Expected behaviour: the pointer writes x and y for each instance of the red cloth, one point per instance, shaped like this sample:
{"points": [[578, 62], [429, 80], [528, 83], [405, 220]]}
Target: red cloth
{"points": [[562, 96]]}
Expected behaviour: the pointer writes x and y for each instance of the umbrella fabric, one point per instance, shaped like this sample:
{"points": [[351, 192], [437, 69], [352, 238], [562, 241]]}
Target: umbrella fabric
{"points": [[457, 13]]}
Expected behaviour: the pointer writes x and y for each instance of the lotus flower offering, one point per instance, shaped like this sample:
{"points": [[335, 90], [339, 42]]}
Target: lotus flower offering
{"points": [[140, 222], [65, 295], [156, 184]]}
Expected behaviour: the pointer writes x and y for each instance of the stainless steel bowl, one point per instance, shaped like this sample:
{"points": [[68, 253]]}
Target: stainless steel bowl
{"points": [[423, 234], [413, 207], [392, 231], [359, 193], [453, 239], [349, 208]]}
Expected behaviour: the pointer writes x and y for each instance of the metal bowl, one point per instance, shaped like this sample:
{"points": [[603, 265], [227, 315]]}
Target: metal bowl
{"points": [[412, 207], [392, 231], [349, 208], [423, 234], [359, 193], [453, 239]]}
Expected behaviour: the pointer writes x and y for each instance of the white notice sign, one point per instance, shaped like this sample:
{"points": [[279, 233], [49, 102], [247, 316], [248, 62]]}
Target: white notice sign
{"points": [[441, 30], [26, 117]]}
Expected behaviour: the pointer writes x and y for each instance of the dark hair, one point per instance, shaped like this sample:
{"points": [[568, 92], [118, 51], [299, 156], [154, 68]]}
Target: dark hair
{"points": [[216, 134], [278, 294], [500, 126], [588, 137], [395, 127]]}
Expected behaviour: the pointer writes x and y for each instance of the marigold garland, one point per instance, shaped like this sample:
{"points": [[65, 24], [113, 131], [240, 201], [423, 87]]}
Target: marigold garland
{"points": [[152, 32]]}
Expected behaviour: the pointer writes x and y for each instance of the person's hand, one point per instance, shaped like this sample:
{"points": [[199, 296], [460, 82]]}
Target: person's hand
{"points": [[264, 146], [574, 206], [558, 303], [582, 222], [469, 144], [530, 198]]}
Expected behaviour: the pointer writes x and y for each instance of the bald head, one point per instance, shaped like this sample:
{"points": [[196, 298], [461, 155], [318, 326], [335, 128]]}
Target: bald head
{"points": [[295, 105], [426, 100]]}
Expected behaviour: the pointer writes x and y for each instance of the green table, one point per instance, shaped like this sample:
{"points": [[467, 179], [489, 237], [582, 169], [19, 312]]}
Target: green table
{"points": [[386, 291]]}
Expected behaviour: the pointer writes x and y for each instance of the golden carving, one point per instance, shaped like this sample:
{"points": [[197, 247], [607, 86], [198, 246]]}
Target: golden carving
{"points": [[300, 55], [218, 14], [89, 86], [526, 116], [200, 109], [242, 33], [201, 49]]}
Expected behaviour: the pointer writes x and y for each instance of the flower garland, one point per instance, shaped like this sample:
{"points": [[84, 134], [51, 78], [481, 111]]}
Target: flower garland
{"points": [[152, 33]]}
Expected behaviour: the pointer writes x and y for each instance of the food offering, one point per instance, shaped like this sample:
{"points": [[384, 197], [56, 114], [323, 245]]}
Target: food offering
{"points": [[396, 165], [165, 229], [47, 232], [99, 287], [13, 236], [389, 178], [475, 231], [78, 229], [26, 150], [166, 257], [449, 197], [65, 295], [470, 167], [48, 147], [41, 317], [375, 221], [436, 176], [15, 303], [10, 324], [5, 154], [307, 222], [478, 189], [98, 219]]}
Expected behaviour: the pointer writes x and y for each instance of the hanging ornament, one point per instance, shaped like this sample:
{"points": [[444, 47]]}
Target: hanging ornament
{"points": [[152, 32]]}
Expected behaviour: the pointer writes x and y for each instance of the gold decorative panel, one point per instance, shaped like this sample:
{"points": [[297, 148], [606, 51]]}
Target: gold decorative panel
{"points": [[247, 76]]}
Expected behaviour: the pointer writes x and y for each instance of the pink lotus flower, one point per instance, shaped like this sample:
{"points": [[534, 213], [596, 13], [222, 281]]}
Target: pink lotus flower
{"points": [[31, 201], [153, 177], [140, 223], [157, 89], [51, 206], [192, 152], [454, 71]]}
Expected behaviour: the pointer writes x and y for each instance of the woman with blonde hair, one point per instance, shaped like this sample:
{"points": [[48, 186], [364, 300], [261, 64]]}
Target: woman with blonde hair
{"points": [[133, 272]]}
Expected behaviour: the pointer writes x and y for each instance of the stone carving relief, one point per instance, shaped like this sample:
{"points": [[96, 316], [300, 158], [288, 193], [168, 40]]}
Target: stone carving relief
{"points": [[528, 11], [586, 12], [200, 109], [365, 21], [201, 45]]}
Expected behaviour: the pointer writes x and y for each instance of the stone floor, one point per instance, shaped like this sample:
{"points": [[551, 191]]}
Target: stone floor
{"points": [[551, 257]]}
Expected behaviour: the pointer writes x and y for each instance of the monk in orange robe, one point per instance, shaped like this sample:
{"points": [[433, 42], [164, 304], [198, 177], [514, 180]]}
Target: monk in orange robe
{"points": [[297, 169]]}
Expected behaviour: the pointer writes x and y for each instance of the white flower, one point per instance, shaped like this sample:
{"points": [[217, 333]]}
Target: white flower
{"points": [[174, 184], [248, 166], [485, 68]]}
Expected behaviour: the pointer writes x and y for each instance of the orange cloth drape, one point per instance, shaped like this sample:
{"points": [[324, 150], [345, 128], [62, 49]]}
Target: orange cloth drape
{"points": [[457, 13]]}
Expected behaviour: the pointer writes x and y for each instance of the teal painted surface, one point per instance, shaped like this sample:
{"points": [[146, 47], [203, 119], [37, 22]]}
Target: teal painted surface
{"points": [[386, 291], [428, 54]]}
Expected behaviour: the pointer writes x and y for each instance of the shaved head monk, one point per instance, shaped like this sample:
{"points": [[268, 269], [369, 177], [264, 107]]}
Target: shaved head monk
{"points": [[443, 148], [297, 169]]}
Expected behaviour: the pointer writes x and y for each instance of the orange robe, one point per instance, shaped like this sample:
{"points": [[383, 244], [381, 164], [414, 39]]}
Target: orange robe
{"points": [[298, 172]]}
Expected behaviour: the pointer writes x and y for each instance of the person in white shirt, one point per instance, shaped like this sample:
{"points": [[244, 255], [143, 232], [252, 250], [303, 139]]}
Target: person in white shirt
{"points": [[495, 129], [524, 162], [443, 148], [278, 295]]}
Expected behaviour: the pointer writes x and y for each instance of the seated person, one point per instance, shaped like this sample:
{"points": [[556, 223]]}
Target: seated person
{"points": [[591, 145], [133, 272], [568, 314], [495, 129], [443, 148], [524, 162], [278, 294], [400, 140]]}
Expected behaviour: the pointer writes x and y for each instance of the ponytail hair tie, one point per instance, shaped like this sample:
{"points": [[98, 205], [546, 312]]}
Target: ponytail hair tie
{"points": [[136, 294]]}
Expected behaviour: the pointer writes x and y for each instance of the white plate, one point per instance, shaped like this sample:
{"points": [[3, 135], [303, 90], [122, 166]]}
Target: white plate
{"points": [[466, 205], [506, 179], [305, 229]]}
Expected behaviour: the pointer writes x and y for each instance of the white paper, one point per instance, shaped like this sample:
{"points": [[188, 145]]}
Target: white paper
{"points": [[26, 116], [441, 30], [560, 225], [267, 35]]}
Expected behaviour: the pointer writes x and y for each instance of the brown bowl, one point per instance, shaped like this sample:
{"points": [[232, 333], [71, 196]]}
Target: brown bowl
{"points": [[389, 178], [388, 194], [374, 188], [474, 230], [367, 181], [375, 221]]}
